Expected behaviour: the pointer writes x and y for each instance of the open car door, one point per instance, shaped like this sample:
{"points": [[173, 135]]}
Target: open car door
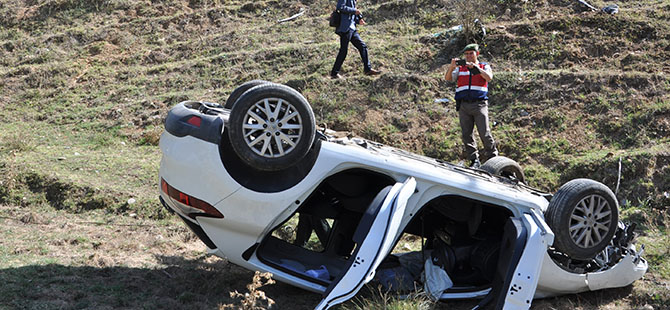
{"points": [[525, 241], [374, 238]]}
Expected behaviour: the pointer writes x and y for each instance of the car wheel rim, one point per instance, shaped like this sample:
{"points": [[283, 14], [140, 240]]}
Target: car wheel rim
{"points": [[590, 221], [510, 174], [272, 127]]}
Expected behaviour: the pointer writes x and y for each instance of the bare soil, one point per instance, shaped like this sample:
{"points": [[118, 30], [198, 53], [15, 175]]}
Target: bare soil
{"points": [[57, 260]]}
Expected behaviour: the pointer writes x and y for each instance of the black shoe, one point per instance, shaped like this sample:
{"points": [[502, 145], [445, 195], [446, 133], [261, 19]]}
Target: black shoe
{"points": [[336, 76], [373, 72], [475, 164]]}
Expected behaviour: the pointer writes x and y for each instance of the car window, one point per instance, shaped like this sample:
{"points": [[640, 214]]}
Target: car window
{"points": [[313, 241]]}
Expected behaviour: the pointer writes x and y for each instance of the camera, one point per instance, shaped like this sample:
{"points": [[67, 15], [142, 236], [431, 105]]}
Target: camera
{"points": [[460, 62]]}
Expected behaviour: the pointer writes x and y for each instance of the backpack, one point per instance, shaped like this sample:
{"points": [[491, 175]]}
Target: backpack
{"points": [[334, 19]]}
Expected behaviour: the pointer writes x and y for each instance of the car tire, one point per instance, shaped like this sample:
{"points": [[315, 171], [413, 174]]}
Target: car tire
{"points": [[505, 167], [271, 127], [237, 92], [584, 215]]}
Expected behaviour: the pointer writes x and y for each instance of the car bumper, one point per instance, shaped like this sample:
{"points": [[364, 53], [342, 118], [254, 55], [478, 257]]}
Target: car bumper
{"points": [[555, 281]]}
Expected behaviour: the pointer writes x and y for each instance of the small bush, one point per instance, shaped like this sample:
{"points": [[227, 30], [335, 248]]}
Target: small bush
{"points": [[466, 13], [255, 299], [16, 143], [151, 136]]}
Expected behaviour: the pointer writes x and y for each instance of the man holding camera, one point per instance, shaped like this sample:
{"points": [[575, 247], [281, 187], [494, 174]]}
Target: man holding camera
{"points": [[471, 97], [350, 16]]}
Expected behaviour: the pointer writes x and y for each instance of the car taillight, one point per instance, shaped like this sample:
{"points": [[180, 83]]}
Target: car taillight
{"points": [[195, 121], [204, 209]]}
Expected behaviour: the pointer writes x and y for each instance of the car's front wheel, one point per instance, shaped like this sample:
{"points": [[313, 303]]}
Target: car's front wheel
{"points": [[583, 215], [505, 167], [271, 127]]}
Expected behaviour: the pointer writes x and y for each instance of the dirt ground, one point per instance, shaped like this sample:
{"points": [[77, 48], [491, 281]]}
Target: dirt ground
{"points": [[58, 260]]}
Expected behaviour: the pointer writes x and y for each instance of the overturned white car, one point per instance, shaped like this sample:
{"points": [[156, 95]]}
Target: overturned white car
{"points": [[263, 187]]}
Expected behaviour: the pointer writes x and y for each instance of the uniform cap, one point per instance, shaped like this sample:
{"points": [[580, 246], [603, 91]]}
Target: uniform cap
{"points": [[471, 47]]}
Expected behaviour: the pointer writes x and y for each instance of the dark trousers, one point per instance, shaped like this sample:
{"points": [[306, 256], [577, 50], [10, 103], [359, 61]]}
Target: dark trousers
{"points": [[355, 39]]}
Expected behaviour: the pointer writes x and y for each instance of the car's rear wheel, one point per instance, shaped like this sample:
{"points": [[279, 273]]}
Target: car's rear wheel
{"points": [[583, 215], [271, 127], [505, 167], [237, 92]]}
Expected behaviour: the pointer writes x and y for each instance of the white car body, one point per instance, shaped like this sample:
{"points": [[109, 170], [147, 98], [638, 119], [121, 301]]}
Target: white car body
{"points": [[193, 165]]}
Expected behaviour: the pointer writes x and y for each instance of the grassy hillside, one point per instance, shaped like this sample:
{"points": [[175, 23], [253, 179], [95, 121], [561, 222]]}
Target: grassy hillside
{"points": [[85, 86]]}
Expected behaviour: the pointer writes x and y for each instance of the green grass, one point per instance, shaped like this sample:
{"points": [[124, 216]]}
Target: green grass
{"points": [[86, 169], [379, 300]]}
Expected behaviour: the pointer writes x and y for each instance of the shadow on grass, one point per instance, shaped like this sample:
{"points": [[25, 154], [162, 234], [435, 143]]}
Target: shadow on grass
{"points": [[592, 300], [624, 297], [582, 301], [197, 284], [178, 284]]}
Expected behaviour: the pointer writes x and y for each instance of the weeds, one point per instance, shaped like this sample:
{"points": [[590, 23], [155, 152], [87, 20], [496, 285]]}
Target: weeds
{"points": [[16, 143], [382, 300], [255, 299], [151, 136], [470, 14]]}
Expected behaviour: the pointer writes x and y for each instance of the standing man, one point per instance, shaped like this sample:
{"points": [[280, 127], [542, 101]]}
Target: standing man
{"points": [[471, 97], [350, 16]]}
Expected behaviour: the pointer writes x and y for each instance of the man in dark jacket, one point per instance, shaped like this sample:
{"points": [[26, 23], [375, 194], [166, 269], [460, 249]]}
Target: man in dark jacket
{"points": [[350, 16]]}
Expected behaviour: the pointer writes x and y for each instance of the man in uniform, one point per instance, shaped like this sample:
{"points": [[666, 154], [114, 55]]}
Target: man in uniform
{"points": [[472, 77]]}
